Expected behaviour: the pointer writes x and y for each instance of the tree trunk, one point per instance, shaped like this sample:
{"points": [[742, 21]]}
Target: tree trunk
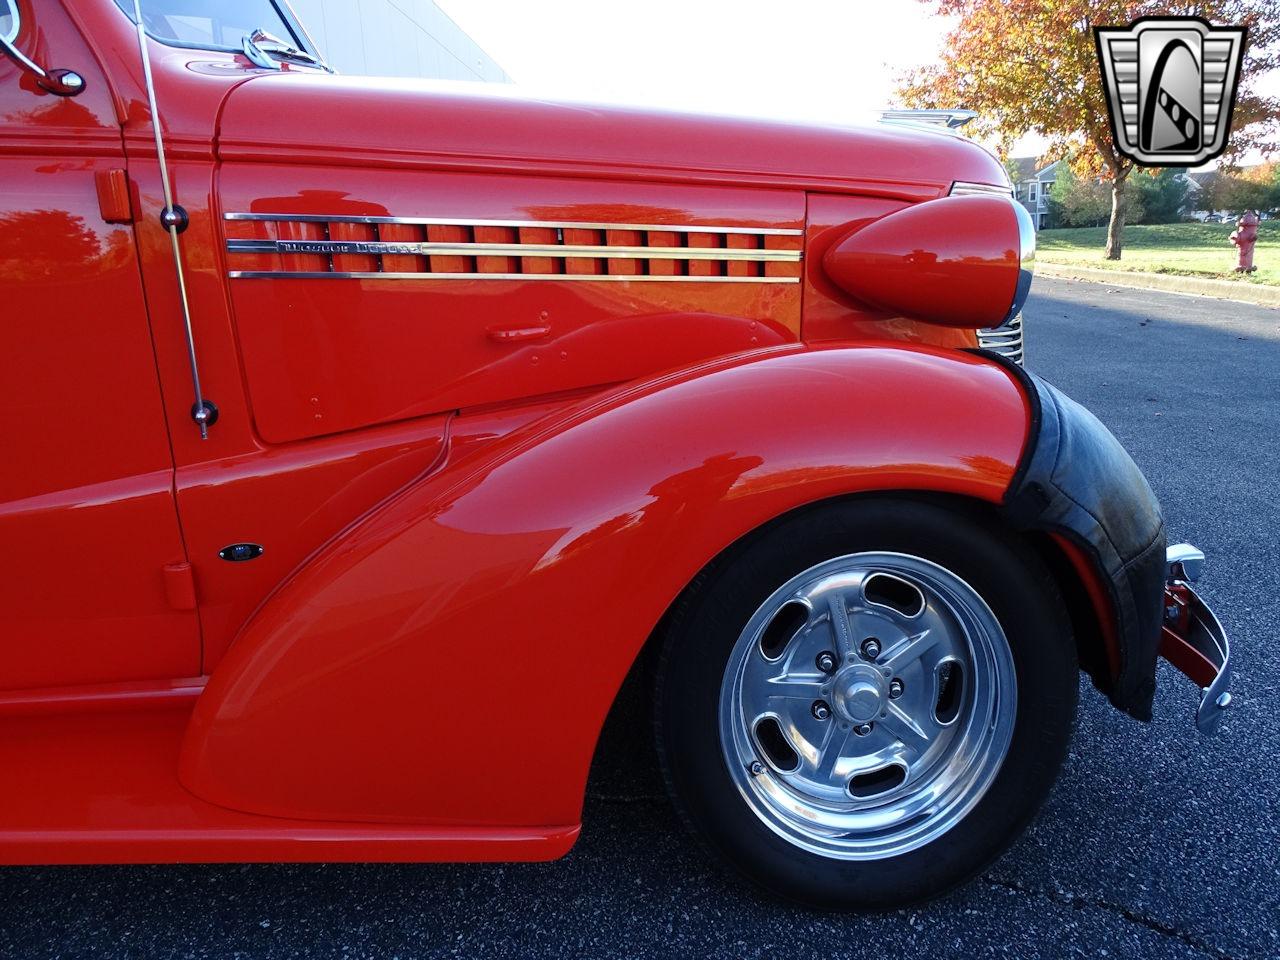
{"points": [[1115, 229]]}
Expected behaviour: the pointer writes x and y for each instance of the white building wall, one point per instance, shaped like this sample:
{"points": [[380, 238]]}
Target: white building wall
{"points": [[395, 38]]}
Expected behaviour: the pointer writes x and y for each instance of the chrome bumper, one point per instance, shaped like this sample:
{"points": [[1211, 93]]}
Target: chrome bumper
{"points": [[1192, 639]]}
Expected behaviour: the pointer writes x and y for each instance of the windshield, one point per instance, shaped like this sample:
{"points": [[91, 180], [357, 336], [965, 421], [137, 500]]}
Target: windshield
{"points": [[9, 20], [212, 24]]}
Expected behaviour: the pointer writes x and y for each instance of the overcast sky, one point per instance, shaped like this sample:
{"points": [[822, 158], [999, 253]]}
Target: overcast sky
{"points": [[808, 59], [830, 60]]}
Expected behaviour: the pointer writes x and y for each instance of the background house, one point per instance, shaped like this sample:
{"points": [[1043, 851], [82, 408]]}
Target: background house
{"points": [[1222, 195], [1031, 186], [1033, 182], [395, 38], [1200, 194]]}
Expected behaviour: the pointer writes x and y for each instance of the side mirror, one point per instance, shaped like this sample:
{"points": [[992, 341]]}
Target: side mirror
{"points": [[64, 83]]}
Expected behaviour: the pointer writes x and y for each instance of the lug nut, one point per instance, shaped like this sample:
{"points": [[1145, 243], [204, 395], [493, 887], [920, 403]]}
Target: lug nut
{"points": [[820, 710], [826, 662], [862, 729], [756, 768], [871, 648], [895, 688]]}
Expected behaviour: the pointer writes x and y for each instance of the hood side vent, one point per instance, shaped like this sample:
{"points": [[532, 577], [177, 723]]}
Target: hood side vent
{"points": [[262, 245]]}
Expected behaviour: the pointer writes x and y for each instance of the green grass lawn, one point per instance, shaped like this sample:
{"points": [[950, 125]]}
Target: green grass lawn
{"points": [[1190, 249]]}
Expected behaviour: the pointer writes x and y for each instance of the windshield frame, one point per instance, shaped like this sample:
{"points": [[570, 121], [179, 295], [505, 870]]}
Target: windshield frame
{"points": [[298, 35]]}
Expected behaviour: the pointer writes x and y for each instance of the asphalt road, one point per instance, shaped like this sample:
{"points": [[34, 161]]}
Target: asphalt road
{"points": [[1155, 843]]}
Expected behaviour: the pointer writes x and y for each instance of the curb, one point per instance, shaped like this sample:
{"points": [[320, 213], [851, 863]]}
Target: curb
{"points": [[1197, 286]]}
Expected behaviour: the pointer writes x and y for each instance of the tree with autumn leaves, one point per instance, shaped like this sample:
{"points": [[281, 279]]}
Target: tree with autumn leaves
{"points": [[1032, 66]]}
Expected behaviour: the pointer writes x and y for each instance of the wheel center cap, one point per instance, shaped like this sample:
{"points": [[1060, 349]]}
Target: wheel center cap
{"points": [[858, 693]]}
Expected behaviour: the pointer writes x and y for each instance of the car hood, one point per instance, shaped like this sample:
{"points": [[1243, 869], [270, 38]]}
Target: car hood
{"points": [[303, 116]]}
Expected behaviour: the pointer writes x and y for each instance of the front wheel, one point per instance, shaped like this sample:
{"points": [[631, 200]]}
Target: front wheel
{"points": [[864, 704]]}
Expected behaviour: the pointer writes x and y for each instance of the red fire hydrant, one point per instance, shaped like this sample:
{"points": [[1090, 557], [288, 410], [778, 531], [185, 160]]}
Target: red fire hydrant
{"points": [[1244, 237]]}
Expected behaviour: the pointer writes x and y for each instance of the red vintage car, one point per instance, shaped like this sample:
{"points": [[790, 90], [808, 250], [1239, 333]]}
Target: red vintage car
{"points": [[361, 437]]}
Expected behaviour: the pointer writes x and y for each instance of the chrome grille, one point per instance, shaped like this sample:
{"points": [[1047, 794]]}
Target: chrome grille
{"points": [[1005, 339]]}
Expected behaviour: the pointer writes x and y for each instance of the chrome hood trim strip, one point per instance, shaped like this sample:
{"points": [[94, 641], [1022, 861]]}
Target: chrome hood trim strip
{"points": [[571, 251], [553, 224], [377, 275]]}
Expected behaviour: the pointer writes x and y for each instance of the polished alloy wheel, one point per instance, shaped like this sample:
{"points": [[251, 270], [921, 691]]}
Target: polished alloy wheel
{"points": [[868, 705]]}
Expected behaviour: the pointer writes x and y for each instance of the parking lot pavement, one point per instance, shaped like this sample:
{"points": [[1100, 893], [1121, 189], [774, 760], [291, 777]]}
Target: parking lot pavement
{"points": [[1155, 843]]}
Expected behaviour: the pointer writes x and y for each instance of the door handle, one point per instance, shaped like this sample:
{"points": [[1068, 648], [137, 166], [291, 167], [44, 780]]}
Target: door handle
{"points": [[515, 334]]}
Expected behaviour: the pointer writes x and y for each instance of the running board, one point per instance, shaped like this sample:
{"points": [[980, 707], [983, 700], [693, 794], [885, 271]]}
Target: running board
{"points": [[94, 786]]}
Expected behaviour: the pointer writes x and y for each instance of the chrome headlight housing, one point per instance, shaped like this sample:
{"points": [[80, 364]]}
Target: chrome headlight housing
{"points": [[1008, 339]]}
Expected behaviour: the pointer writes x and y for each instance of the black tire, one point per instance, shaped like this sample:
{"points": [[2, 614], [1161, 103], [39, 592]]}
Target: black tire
{"points": [[706, 622]]}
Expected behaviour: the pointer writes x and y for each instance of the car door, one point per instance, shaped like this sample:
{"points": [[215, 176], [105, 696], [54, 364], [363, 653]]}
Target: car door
{"points": [[93, 585]]}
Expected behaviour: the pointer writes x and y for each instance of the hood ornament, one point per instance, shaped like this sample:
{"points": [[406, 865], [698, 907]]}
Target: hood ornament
{"points": [[950, 119]]}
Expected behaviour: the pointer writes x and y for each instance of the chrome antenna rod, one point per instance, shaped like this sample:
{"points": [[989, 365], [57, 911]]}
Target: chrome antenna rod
{"points": [[203, 413]]}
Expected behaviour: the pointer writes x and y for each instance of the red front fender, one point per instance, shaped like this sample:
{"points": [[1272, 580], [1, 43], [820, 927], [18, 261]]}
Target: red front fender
{"points": [[451, 659]]}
